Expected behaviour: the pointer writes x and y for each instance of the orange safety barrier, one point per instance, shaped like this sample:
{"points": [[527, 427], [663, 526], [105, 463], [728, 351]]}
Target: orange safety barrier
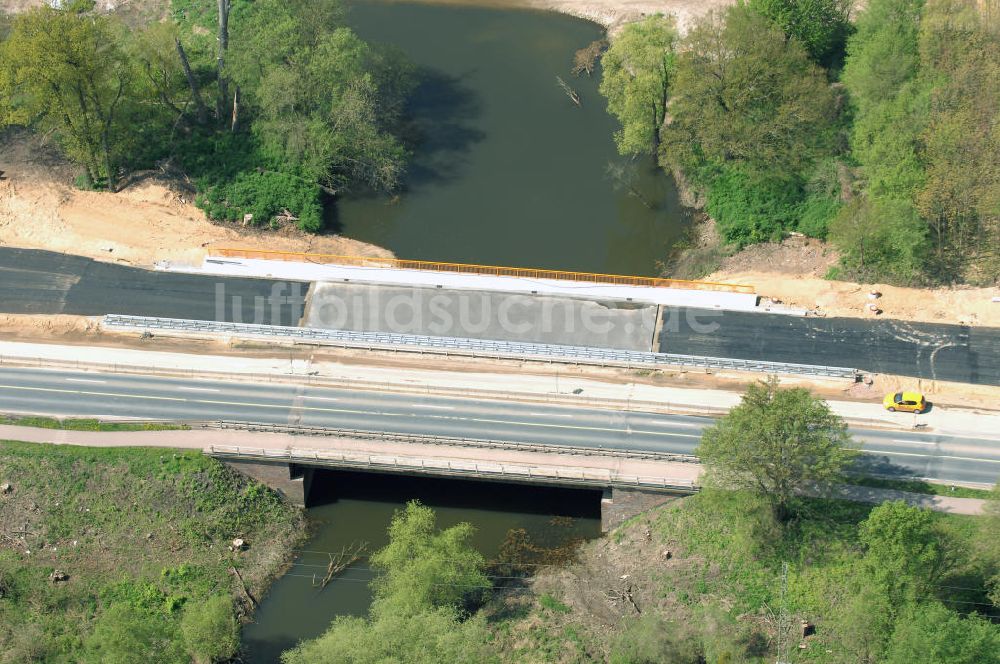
{"points": [[493, 270]]}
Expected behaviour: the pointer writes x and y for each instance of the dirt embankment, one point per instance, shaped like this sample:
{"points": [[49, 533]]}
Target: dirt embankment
{"points": [[793, 272], [150, 220], [612, 14]]}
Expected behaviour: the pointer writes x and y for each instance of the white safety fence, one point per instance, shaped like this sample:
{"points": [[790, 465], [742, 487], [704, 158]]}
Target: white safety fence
{"points": [[460, 346]]}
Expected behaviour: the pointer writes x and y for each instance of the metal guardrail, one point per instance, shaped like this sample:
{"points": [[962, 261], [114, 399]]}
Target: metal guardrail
{"points": [[490, 270], [455, 441], [460, 346], [455, 468]]}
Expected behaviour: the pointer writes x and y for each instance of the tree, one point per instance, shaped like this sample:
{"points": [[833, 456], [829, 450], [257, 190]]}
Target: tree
{"points": [[821, 26], [960, 57], [428, 636], [638, 68], [426, 577], [931, 633], [210, 631], [744, 94], [66, 71], [882, 55], [423, 568], [903, 551], [884, 238], [322, 99], [777, 442]]}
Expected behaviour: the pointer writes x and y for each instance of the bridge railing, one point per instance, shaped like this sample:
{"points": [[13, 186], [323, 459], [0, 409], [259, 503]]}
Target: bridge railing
{"points": [[455, 467], [454, 441], [470, 347], [489, 270]]}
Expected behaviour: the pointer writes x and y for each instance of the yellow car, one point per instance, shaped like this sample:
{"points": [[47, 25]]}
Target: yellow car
{"points": [[908, 402]]}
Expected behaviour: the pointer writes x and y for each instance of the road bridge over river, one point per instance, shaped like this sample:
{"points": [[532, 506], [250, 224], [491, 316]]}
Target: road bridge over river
{"points": [[940, 456], [50, 283]]}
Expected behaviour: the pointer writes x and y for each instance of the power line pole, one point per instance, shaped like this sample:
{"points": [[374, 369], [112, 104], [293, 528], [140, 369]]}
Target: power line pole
{"points": [[783, 618]]}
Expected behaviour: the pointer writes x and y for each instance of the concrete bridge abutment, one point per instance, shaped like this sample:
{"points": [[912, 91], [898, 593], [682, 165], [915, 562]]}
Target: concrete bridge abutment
{"points": [[619, 504], [291, 480]]}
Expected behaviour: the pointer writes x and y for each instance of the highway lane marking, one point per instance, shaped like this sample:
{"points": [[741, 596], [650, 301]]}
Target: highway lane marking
{"points": [[308, 396], [915, 442], [348, 411], [198, 389], [83, 380], [551, 415], [930, 456], [429, 405]]}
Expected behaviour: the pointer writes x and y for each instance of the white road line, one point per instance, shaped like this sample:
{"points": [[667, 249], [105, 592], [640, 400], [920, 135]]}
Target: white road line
{"points": [[429, 405], [550, 415], [83, 380], [198, 389], [308, 396], [929, 456], [914, 442]]}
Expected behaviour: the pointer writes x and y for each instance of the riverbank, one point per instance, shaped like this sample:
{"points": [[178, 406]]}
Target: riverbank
{"points": [[611, 14], [110, 553], [794, 273], [706, 577], [153, 218]]}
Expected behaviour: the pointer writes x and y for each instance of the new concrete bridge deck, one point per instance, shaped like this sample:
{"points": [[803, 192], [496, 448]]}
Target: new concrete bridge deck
{"points": [[51, 283]]}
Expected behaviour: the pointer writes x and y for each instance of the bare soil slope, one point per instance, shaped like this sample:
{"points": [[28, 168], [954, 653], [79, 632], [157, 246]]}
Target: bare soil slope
{"points": [[792, 272], [150, 220]]}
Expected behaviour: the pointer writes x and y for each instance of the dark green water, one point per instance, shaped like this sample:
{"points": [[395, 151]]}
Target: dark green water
{"points": [[351, 508], [507, 170]]}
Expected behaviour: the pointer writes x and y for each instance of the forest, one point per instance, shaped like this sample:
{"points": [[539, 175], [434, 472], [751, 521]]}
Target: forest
{"points": [[879, 133], [267, 106]]}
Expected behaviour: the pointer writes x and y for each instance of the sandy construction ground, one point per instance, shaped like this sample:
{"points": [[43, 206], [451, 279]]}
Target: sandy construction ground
{"points": [[792, 272], [148, 221]]}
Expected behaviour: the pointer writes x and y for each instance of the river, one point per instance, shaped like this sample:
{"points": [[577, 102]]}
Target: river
{"points": [[507, 170], [350, 508]]}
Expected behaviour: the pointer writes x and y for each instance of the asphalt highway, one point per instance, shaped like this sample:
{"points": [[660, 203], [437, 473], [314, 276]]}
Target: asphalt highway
{"points": [[43, 282], [85, 394], [940, 352], [46, 282]]}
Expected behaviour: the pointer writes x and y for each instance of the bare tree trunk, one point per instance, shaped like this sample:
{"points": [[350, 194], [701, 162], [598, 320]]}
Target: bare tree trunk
{"points": [[220, 60], [192, 83], [236, 109]]}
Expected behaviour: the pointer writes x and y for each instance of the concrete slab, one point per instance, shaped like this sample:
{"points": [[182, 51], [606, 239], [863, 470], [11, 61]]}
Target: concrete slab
{"points": [[292, 270], [481, 315]]}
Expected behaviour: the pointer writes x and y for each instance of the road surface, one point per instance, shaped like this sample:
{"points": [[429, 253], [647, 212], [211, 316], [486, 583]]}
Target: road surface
{"points": [[86, 394], [925, 350], [42, 282]]}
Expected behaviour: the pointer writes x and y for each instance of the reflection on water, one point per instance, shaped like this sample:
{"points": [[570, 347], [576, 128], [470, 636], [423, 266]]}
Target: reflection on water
{"points": [[355, 507], [507, 170]]}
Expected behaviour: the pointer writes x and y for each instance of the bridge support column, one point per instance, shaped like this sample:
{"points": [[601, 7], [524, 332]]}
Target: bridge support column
{"points": [[618, 505], [290, 480]]}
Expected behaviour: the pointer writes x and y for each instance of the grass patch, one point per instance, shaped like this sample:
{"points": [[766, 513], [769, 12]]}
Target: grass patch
{"points": [[919, 486], [87, 424], [141, 533], [549, 602]]}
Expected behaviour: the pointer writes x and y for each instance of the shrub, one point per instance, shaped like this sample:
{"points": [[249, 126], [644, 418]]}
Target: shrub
{"points": [[209, 630], [750, 208], [266, 195]]}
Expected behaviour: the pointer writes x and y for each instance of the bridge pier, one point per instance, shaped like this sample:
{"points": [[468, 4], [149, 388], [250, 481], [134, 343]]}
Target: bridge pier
{"points": [[291, 480], [619, 504]]}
